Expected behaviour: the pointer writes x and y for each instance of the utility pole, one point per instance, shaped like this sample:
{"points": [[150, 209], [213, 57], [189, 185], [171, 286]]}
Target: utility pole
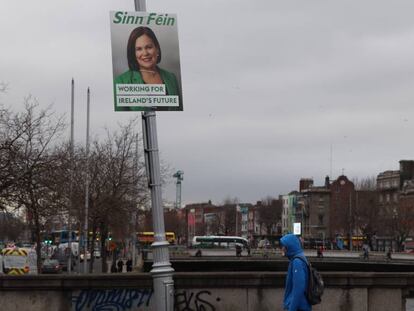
{"points": [[237, 216], [71, 151], [350, 222], [161, 269], [162, 272], [135, 212], [85, 228]]}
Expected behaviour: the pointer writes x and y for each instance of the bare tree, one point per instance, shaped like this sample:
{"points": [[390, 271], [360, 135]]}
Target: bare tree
{"points": [[366, 183], [174, 223], [270, 213], [11, 131], [118, 188], [11, 227], [230, 214], [403, 220], [366, 217], [217, 225], [37, 162]]}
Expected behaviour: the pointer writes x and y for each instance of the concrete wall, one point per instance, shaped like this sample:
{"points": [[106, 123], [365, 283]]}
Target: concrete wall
{"points": [[225, 291]]}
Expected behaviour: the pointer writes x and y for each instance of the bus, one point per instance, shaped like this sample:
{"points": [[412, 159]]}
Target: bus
{"points": [[216, 245], [147, 238], [62, 236]]}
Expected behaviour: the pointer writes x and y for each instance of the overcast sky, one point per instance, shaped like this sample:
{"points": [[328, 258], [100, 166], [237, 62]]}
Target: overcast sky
{"points": [[269, 86]]}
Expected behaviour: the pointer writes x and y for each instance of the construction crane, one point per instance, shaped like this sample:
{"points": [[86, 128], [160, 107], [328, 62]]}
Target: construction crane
{"points": [[180, 177]]}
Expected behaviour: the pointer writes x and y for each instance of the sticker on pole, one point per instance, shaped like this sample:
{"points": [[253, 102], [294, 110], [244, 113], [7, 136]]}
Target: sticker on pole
{"points": [[145, 61]]}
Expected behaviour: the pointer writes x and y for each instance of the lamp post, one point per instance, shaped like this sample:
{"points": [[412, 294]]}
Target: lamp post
{"points": [[237, 216], [162, 271]]}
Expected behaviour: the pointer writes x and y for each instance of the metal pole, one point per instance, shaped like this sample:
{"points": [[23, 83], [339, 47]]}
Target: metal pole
{"points": [[134, 216], [350, 223], [85, 229], [140, 5], [236, 221], [71, 151], [162, 271]]}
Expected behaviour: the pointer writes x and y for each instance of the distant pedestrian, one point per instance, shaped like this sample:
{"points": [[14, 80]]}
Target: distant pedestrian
{"points": [[320, 252], [129, 265], [238, 250], [120, 265], [113, 267], [365, 252], [297, 275], [389, 253]]}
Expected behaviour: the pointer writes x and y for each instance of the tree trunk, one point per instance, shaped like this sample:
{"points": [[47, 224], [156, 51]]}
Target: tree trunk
{"points": [[104, 236], [38, 242], [92, 248]]}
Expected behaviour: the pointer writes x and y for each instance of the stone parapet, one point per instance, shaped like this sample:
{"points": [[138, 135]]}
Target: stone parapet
{"points": [[250, 291]]}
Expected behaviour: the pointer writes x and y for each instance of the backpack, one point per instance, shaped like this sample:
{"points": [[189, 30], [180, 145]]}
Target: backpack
{"points": [[315, 284]]}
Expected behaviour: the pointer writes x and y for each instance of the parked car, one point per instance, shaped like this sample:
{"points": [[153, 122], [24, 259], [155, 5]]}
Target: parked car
{"points": [[63, 260], [51, 266]]}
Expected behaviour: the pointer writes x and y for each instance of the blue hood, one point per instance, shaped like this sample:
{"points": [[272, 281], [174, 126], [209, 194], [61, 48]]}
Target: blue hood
{"points": [[292, 244]]}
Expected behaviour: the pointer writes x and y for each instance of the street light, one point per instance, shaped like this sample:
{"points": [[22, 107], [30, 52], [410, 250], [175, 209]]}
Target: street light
{"points": [[237, 214]]}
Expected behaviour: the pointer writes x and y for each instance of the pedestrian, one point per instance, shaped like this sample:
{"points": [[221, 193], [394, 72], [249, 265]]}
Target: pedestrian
{"points": [[129, 265], [120, 265], [238, 250], [297, 277], [366, 253], [113, 267], [320, 252], [389, 253]]}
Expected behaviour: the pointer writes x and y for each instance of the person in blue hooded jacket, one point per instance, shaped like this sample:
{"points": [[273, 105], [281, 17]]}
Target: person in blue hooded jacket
{"points": [[297, 275]]}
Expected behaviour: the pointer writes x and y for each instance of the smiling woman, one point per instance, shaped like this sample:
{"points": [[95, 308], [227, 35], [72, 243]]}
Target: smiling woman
{"points": [[144, 55]]}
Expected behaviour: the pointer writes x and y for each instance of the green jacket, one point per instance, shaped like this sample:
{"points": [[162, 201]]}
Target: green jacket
{"points": [[134, 77]]}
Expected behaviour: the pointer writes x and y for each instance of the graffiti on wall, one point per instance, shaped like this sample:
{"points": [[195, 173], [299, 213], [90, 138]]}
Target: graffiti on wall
{"points": [[139, 299], [112, 300], [195, 301]]}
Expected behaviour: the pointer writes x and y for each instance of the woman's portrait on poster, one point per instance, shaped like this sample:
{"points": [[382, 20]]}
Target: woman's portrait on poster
{"points": [[143, 55]]}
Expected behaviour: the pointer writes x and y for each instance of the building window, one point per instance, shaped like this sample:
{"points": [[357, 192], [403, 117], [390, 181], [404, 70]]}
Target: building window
{"points": [[380, 198], [395, 197], [388, 198]]}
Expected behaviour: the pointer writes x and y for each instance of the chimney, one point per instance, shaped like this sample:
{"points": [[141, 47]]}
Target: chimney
{"points": [[305, 183], [406, 170], [327, 184]]}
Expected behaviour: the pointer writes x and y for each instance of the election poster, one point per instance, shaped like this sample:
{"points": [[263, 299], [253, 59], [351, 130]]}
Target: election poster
{"points": [[145, 61]]}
